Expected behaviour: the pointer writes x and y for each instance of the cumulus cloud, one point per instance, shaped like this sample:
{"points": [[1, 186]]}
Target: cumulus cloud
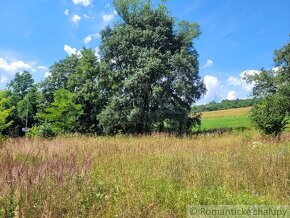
{"points": [[240, 81], [109, 17], [209, 63], [71, 51], [85, 3], [213, 86], [234, 81], [232, 95], [90, 37], [76, 19], [66, 12], [14, 67]]}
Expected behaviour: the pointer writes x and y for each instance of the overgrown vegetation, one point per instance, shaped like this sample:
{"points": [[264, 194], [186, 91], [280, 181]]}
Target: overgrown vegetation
{"points": [[144, 176]]}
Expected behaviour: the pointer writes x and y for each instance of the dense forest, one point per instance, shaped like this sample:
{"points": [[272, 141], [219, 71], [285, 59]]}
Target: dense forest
{"points": [[226, 104]]}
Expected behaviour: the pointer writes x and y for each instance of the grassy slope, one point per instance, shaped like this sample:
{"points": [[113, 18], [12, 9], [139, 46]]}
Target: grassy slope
{"points": [[148, 176], [231, 118]]}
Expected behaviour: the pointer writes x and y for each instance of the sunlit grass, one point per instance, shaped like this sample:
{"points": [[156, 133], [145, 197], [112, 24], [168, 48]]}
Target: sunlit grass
{"points": [[226, 119], [140, 176]]}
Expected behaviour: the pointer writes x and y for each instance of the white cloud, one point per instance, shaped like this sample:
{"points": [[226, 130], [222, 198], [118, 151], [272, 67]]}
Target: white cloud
{"points": [[232, 95], [87, 16], [249, 73], [213, 87], [42, 67], [3, 79], [14, 67], [109, 17], [76, 19], [66, 12], [69, 50], [90, 37], [72, 51], [83, 2], [234, 81], [209, 63], [240, 81]]}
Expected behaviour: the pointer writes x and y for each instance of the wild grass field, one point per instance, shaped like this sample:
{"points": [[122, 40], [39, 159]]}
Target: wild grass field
{"points": [[236, 118], [144, 176]]}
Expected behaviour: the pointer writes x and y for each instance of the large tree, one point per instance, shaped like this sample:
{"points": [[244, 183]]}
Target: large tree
{"points": [[78, 74], [18, 88], [58, 78], [150, 69], [273, 86], [84, 82]]}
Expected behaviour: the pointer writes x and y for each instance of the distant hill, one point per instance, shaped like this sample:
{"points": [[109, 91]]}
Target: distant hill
{"points": [[225, 104]]}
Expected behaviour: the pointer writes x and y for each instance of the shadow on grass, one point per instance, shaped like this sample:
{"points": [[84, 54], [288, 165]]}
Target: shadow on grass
{"points": [[219, 131]]}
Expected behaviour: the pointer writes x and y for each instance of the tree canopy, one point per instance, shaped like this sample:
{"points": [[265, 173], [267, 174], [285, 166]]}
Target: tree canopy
{"points": [[151, 69], [273, 86]]}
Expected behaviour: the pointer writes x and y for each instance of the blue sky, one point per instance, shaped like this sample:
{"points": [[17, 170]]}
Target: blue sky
{"points": [[238, 36]]}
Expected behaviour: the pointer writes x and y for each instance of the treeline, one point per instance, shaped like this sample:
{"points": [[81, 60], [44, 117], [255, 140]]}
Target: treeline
{"points": [[226, 104], [146, 81]]}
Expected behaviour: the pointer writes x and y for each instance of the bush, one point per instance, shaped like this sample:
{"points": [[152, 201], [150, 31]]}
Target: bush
{"points": [[46, 130], [271, 115]]}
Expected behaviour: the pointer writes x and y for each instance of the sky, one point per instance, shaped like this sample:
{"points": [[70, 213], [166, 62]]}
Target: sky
{"points": [[238, 37]]}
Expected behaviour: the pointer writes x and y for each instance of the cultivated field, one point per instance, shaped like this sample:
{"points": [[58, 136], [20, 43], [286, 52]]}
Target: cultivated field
{"points": [[226, 119], [142, 176]]}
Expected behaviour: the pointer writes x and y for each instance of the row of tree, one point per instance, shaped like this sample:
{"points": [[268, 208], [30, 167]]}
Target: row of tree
{"points": [[147, 80], [226, 104]]}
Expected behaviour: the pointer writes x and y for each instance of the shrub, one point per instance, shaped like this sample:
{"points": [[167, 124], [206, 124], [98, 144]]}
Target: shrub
{"points": [[46, 130]]}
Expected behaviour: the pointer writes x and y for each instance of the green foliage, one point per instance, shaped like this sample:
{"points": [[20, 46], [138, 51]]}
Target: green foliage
{"points": [[4, 113], [274, 87], [271, 115], [45, 130], [18, 89], [80, 75], [151, 70], [59, 74], [21, 84], [226, 104], [63, 113], [29, 106], [87, 89]]}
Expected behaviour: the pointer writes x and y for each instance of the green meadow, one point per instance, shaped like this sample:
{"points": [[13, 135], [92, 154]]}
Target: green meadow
{"points": [[237, 118]]}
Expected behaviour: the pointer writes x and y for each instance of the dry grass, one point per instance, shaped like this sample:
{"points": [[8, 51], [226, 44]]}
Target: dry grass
{"points": [[140, 176]]}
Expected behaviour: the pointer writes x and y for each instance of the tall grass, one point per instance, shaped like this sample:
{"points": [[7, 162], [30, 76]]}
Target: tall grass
{"points": [[140, 176]]}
